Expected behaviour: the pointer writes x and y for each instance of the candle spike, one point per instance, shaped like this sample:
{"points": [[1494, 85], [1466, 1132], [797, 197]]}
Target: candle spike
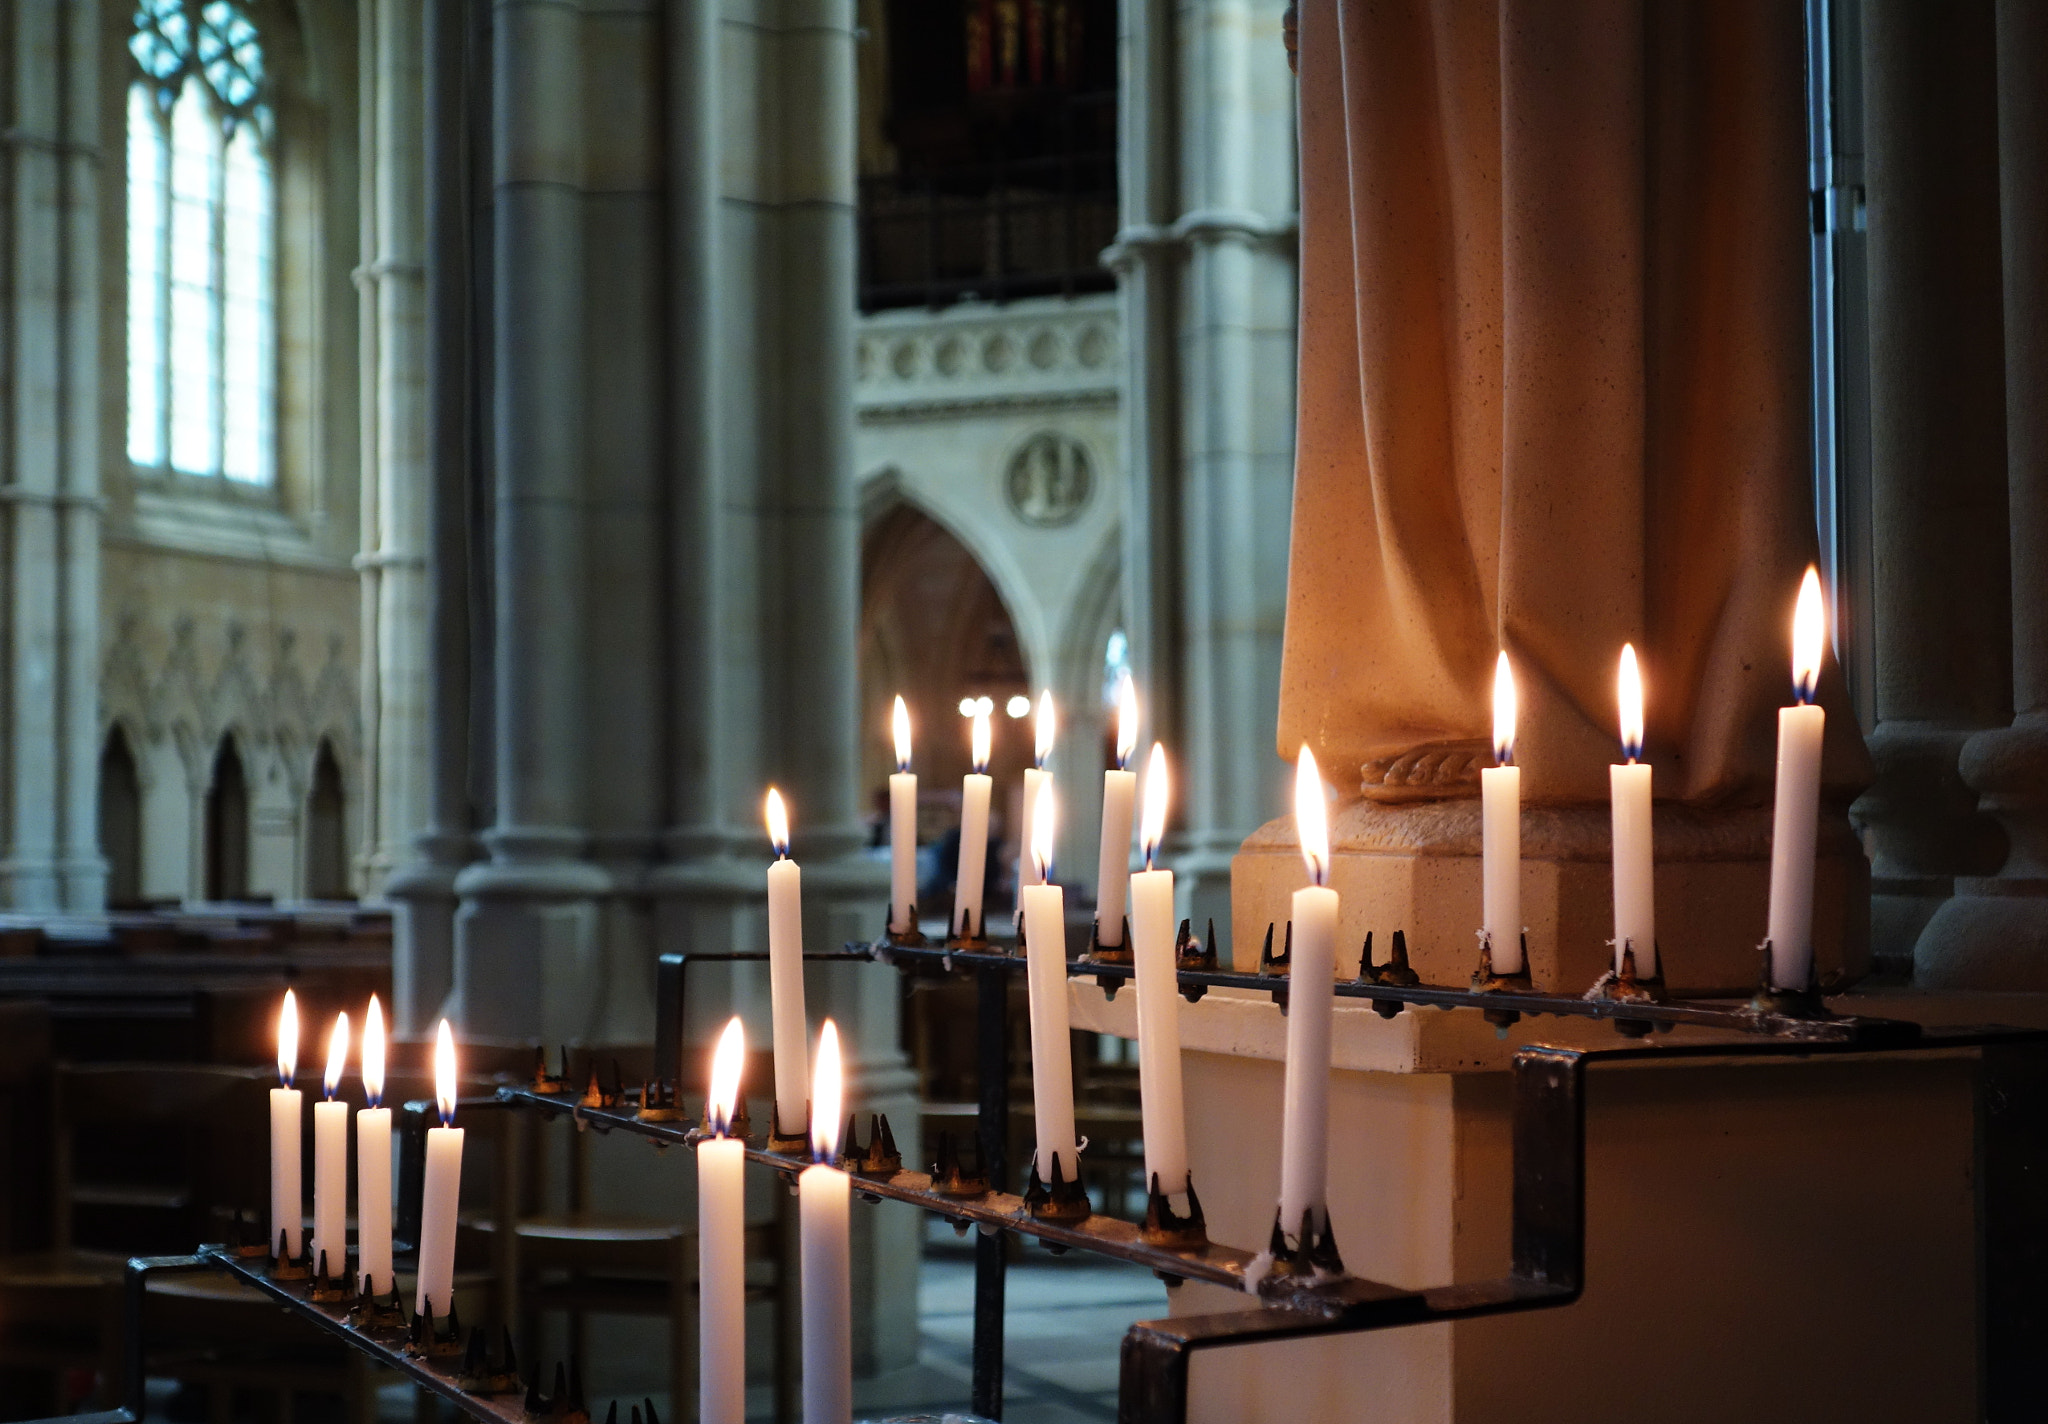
{"points": [[850, 1148], [1324, 1258], [611, 1416], [1266, 949], [1365, 969], [576, 1383], [888, 1139], [652, 1417], [1276, 1242], [535, 1405], [561, 1384], [1165, 1227], [477, 1353], [511, 1355], [636, 1414]]}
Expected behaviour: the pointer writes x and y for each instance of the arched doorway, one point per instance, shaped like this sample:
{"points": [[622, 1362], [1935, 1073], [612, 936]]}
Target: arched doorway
{"points": [[327, 829], [934, 629], [227, 825], [120, 815]]}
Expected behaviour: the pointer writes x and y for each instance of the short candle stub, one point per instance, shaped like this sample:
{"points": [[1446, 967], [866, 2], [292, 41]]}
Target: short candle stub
{"points": [[1806, 1003], [1063, 1199], [1165, 1228]]}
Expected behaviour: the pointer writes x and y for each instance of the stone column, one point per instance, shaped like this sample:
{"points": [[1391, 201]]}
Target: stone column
{"points": [[526, 935], [51, 485], [394, 560], [1938, 457], [1994, 933], [1206, 259], [422, 891]]}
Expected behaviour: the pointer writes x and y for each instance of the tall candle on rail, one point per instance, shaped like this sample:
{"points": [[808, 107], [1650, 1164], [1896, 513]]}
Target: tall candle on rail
{"points": [[443, 1191], [972, 867], [373, 1163], [1045, 947], [1152, 924], [786, 973], [287, 1189], [721, 1242], [1500, 792], [1635, 859], [902, 828], [1795, 812], [1311, 993], [330, 1162], [1035, 778], [1119, 792], [822, 1197]]}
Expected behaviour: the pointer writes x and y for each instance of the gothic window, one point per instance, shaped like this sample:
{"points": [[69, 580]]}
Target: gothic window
{"points": [[201, 210]]}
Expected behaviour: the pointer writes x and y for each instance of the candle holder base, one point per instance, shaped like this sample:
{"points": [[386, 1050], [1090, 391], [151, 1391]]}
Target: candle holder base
{"points": [[951, 1178], [658, 1103], [1309, 1256], [285, 1267], [597, 1094], [479, 1375], [740, 1125], [1396, 972], [565, 1404], [1803, 1003], [375, 1317], [969, 934], [784, 1144], [542, 1081], [1283, 962], [1623, 986], [912, 938], [1066, 1199], [1100, 953], [326, 1289], [879, 1158], [1164, 1227], [244, 1239], [1485, 980], [428, 1342]]}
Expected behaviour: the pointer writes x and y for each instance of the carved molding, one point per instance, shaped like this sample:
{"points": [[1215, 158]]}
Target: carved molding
{"points": [[1027, 355]]}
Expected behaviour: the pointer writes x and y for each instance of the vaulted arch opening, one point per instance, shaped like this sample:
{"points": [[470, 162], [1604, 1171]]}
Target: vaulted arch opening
{"points": [[327, 875], [120, 820], [227, 825]]}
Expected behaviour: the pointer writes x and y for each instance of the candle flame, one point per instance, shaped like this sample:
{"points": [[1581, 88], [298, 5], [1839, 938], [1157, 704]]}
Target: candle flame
{"points": [[1043, 729], [1156, 791], [1809, 636], [1041, 830], [981, 740], [1503, 711], [444, 1073], [726, 1062], [1629, 693], [373, 1053], [337, 1056], [827, 1094], [288, 1039], [900, 723], [1126, 721], [1311, 816], [778, 824]]}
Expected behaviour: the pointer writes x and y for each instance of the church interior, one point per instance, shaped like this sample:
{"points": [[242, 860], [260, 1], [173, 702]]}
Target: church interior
{"points": [[1364, 680]]}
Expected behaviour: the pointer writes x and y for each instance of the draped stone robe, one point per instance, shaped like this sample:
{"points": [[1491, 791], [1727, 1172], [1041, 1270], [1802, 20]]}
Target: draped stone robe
{"points": [[1554, 390]]}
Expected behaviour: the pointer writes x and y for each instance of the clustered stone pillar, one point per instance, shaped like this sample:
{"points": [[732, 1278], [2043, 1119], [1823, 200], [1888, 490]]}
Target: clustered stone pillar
{"points": [[1938, 452], [51, 458], [1993, 934], [1206, 263]]}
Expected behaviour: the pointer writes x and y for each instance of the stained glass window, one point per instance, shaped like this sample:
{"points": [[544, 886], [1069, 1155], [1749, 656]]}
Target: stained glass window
{"points": [[201, 205]]}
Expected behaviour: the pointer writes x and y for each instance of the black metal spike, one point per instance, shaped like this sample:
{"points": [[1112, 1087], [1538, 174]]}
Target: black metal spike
{"points": [[565, 1062], [454, 1321], [284, 1250], [1307, 1238], [851, 1147], [1266, 949], [888, 1138], [1365, 958], [1400, 959], [511, 1355], [1195, 1217], [1276, 1245], [652, 1417], [576, 1384], [321, 1274], [611, 1416], [636, 1415], [534, 1403], [477, 1356], [1286, 949], [561, 1383], [1209, 944]]}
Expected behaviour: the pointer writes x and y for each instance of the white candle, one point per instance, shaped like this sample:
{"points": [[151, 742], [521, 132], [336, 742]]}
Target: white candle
{"points": [[973, 864], [902, 829], [1152, 926], [443, 1192], [1795, 813], [1045, 943], [1311, 992], [287, 1118], [1500, 799], [722, 1244], [1635, 860], [822, 1197], [1035, 778], [786, 972], [373, 1164], [1119, 791], [330, 1162]]}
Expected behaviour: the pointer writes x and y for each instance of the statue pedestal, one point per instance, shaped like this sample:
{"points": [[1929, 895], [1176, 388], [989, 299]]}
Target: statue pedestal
{"points": [[1770, 1239], [1417, 869]]}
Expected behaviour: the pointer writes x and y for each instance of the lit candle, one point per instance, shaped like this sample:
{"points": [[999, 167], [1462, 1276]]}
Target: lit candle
{"points": [[1635, 889], [373, 1163], [1045, 944], [330, 1161], [1795, 814], [1311, 992], [786, 973], [287, 1191], [1152, 930], [722, 1243], [822, 1197], [1119, 791], [1500, 800], [443, 1189], [902, 829], [1035, 777], [973, 866]]}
